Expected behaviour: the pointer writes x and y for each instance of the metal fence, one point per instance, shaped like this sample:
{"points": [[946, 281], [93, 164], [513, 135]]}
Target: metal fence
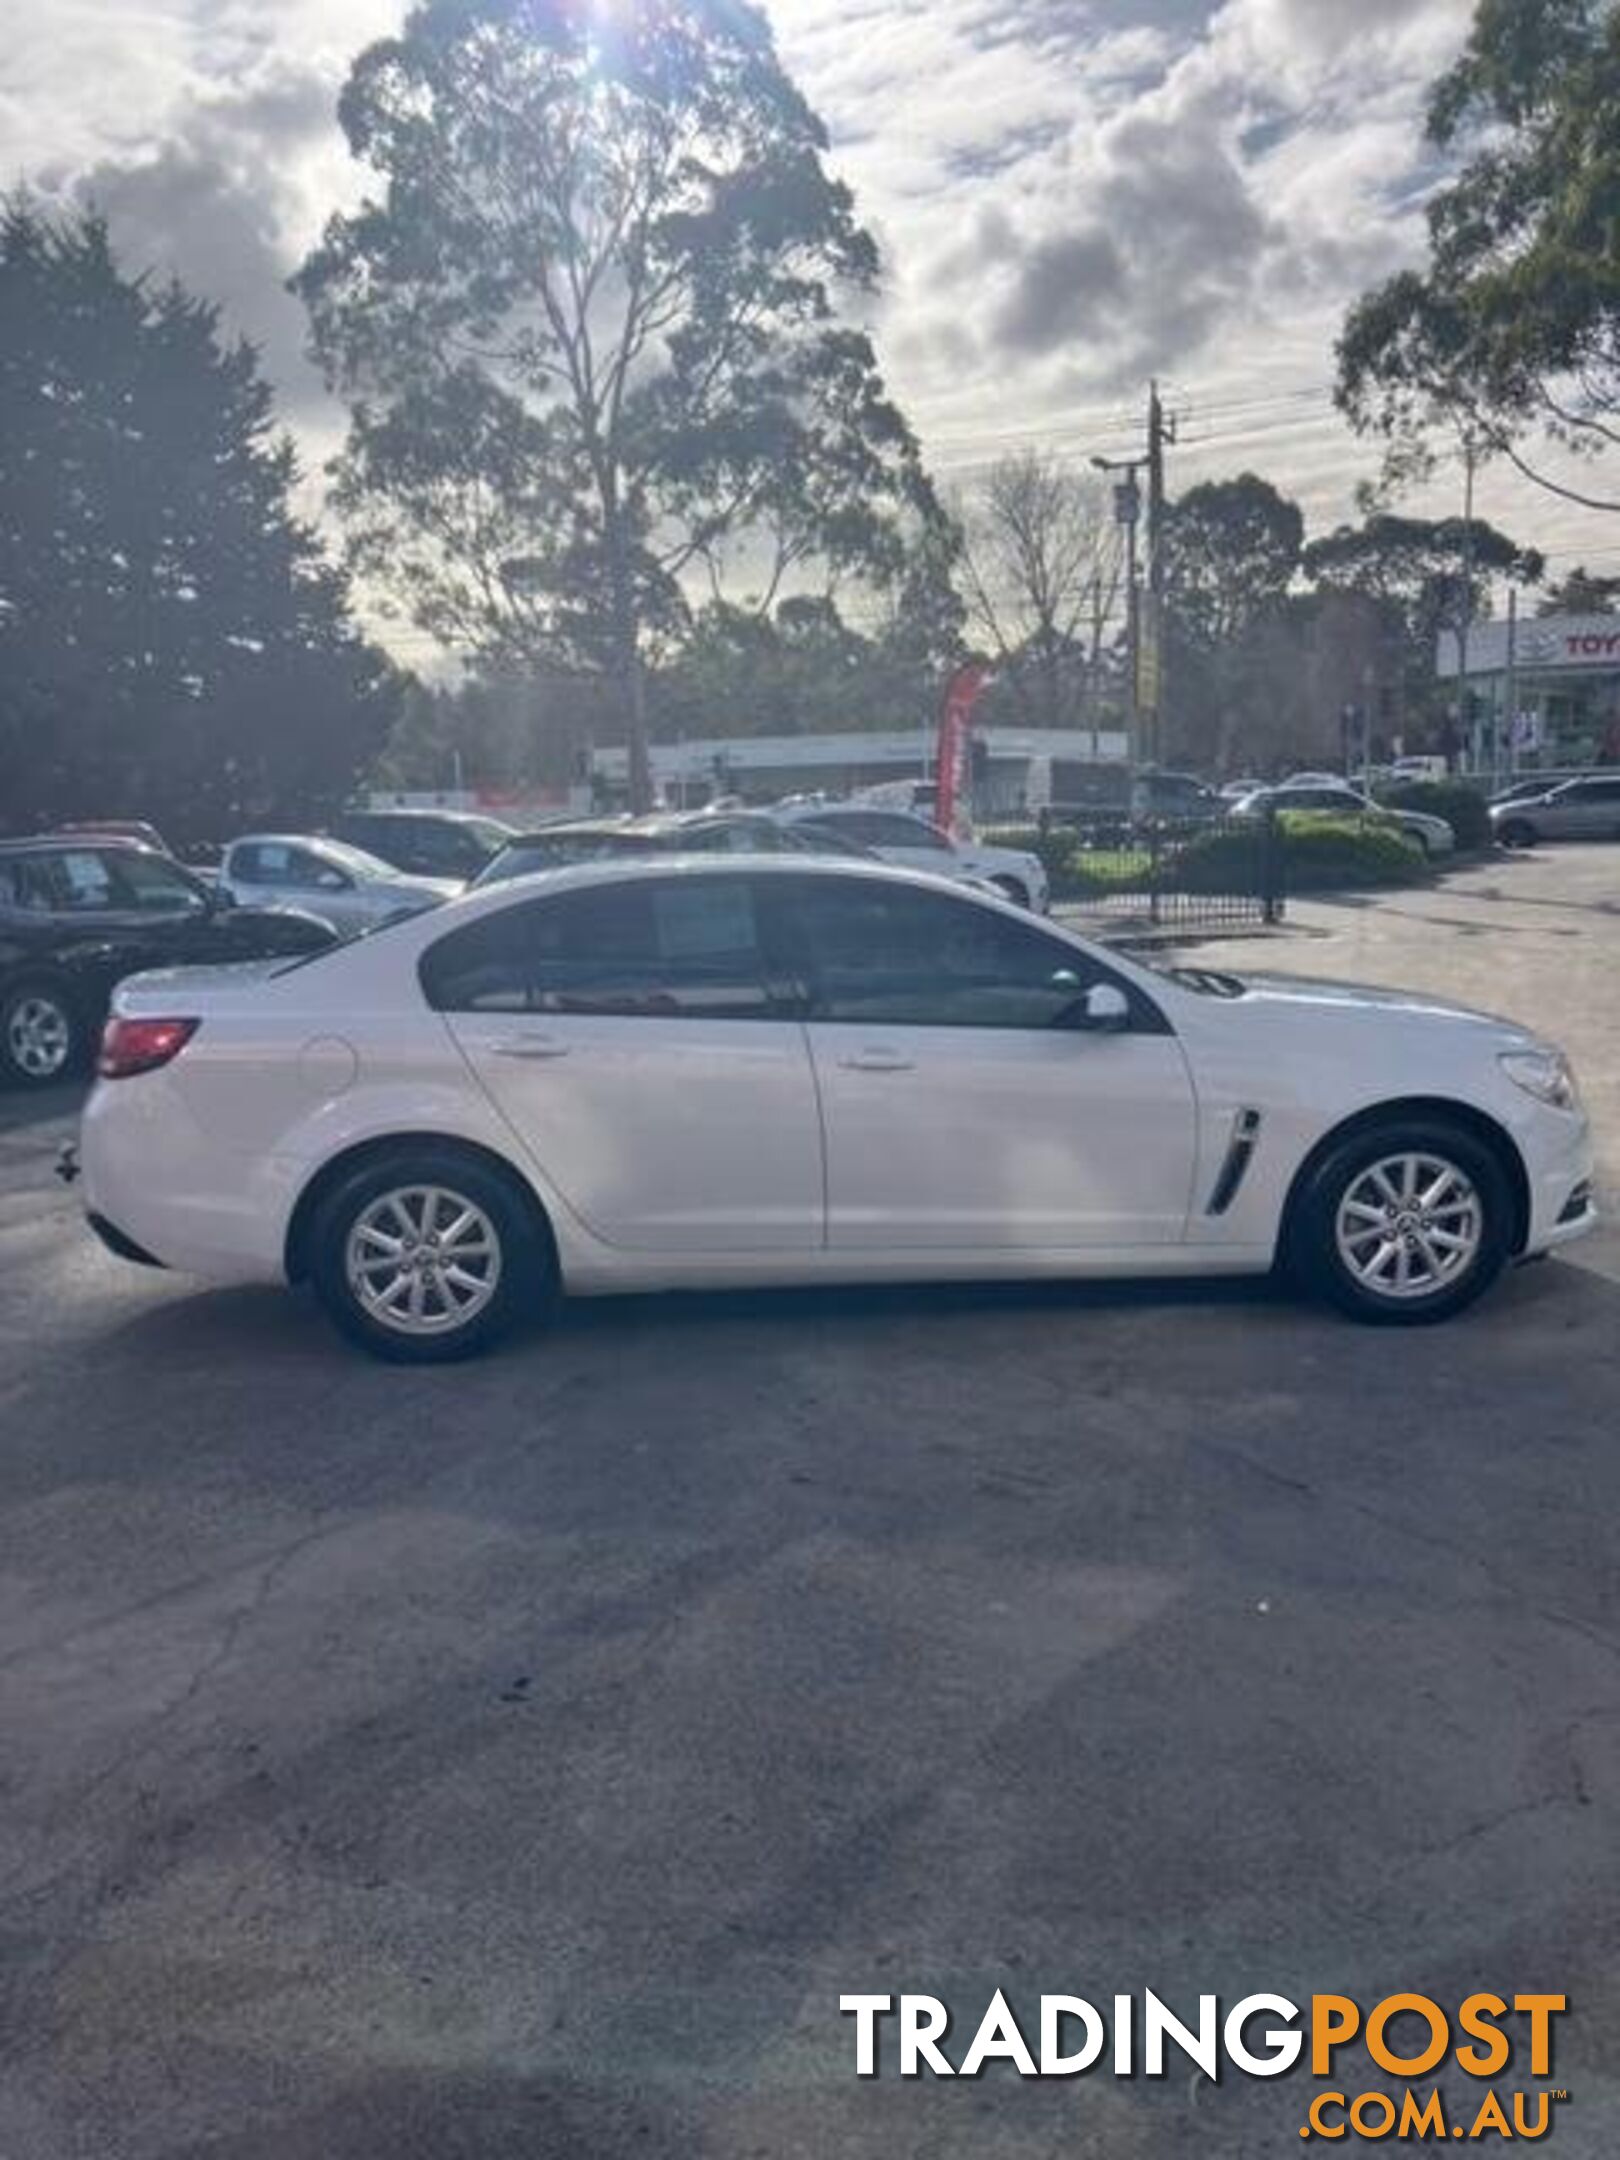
{"points": [[1166, 874]]}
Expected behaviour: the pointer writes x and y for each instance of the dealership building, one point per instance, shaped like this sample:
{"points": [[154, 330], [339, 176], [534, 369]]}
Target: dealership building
{"points": [[1544, 692], [1016, 769]]}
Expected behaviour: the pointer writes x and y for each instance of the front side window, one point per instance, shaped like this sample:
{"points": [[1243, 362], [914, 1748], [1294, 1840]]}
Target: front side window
{"points": [[666, 948], [890, 954]]}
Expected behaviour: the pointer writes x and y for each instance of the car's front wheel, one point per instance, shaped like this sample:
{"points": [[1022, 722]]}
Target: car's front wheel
{"points": [[1012, 889], [426, 1255], [41, 1036], [1405, 1223], [1515, 833]]}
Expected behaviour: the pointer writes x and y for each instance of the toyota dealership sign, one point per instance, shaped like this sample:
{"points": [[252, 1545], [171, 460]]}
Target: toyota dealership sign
{"points": [[1543, 644]]}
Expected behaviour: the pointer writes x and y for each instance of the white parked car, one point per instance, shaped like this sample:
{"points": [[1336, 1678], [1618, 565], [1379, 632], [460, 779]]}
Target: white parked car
{"points": [[344, 885], [758, 1070], [912, 843]]}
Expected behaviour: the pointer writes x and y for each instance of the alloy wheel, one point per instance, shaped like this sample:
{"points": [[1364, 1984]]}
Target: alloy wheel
{"points": [[1410, 1226], [423, 1260], [39, 1036]]}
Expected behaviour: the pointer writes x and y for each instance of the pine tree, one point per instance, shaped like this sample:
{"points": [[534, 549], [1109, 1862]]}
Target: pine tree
{"points": [[173, 642]]}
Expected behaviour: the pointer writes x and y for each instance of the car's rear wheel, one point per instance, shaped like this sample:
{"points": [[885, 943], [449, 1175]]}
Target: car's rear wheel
{"points": [[1514, 833], [426, 1255], [1405, 1222], [42, 1038], [1012, 889]]}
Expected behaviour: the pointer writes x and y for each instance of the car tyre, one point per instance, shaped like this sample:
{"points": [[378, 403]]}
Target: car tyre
{"points": [[1514, 833], [1012, 889], [1404, 1223], [426, 1255], [42, 1036]]}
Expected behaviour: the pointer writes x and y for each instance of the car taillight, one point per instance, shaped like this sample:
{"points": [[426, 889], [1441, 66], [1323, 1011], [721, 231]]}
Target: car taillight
{"points": [[137, 1046]]}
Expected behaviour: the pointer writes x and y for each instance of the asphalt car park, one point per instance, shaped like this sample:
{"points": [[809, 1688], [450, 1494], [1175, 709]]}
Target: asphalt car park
{"points": [[523, 1758]]}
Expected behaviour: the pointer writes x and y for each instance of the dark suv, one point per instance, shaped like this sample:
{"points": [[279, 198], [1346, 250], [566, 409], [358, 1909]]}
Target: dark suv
{"points": [[77, 914], [428, 843]]}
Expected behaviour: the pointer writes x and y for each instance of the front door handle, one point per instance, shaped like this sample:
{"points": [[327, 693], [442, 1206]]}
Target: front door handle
{"points": [[527, 1046], [878, 1061]]}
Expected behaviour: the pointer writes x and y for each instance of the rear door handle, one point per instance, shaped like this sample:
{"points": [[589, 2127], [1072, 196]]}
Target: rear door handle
{"points": [[527, 1046], [878, 1061]]}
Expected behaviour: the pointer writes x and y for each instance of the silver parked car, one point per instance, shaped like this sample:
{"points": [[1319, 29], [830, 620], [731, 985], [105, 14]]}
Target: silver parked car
{"points": [[348, 888], [1574, 810]]}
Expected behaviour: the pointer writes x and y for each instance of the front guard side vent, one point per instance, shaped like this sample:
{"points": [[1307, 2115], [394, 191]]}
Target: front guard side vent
{"points": [[1239, 1154]]}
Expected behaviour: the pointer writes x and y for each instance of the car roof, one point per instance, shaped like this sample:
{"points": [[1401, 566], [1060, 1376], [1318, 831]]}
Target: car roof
{"points": [[313, 840], [403, 810], [579, 829], [29, 843], [612, 870]]}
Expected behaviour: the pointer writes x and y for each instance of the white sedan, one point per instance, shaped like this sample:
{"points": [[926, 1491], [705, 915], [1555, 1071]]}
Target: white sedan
{"points": [[769, 1070], [913, 843]]}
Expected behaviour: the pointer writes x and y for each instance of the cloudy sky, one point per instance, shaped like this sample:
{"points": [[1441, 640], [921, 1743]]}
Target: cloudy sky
{"points": [[1071, 196]]}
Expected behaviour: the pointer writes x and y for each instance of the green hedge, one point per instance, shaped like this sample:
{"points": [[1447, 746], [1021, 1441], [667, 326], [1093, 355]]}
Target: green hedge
{"points": [[1463, 807], [1320, 853]]}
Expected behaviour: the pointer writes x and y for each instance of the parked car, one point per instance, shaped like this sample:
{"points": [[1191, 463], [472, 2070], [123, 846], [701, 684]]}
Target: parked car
{"points": [[1433, 834], [1178, 796], [645, 1074], [353, 890], [1574, 810], [1420, 767], [1235, 790], [911, 842], [919, 795], [697, 832], [76, 915], [1104, 796], [426, 843]]}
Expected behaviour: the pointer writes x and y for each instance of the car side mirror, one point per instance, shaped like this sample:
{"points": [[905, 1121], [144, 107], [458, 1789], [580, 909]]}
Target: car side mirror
{"points": [[1104, 1009]]}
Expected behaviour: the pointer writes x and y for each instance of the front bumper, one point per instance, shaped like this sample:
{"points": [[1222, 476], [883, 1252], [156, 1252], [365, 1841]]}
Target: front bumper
{"points": [[1561, 1164]]}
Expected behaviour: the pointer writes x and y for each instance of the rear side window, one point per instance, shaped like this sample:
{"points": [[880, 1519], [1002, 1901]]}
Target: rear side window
{"points": [[671, 948]]}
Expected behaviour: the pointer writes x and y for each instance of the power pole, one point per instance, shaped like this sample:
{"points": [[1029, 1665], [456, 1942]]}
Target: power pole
{"points": [[1161, 432], [1510, 695], [1465, 616]]}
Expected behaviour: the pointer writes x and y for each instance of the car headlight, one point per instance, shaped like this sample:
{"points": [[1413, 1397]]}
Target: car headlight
{"points": [[1545, 1074]]}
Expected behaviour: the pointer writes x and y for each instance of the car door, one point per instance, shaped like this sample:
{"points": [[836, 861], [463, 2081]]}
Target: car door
{"points": [[81, 921], [279, 873], [1585, 810], [631, 1036], [963, 1108]]}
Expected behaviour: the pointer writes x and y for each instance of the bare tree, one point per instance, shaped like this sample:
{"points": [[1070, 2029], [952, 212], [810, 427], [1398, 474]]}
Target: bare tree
{"points": [[1041, 573]]}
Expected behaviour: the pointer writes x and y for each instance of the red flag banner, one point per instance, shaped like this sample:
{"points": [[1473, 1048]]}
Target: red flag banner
{"points": [[952, 769]]}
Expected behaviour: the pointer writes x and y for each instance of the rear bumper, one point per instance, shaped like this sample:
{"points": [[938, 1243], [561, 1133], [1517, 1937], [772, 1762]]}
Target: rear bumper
{"points": [[119, 1243], [159, 1191]]}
